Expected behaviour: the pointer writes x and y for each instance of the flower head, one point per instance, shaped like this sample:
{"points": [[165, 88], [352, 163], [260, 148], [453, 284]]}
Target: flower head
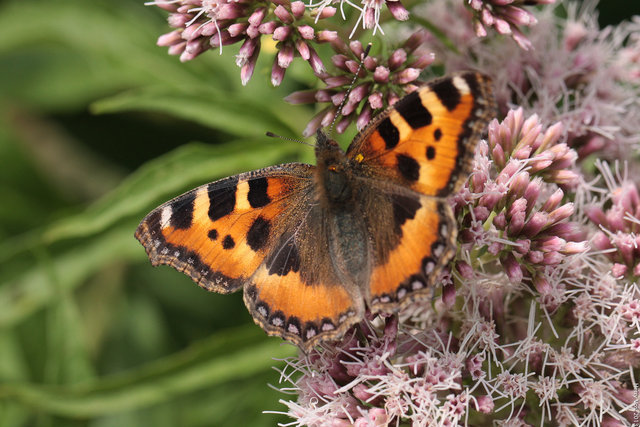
{"points": [[381, 81]]}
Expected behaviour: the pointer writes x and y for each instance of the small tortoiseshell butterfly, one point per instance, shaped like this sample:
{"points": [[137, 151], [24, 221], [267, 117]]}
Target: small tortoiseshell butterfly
{"points": [[313, 247]]}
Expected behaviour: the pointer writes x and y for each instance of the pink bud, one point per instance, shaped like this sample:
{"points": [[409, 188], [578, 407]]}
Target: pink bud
{"points": [[423, 60], [315, 61], [327, 36], [285, 56], [375, 100], [542, 285], [352, 66], [343, 124], [177, 48], [397, 10], [303, 49], [246, 51], [277, 73], [572, 248], [253, 31], [282, 33], [618, 270], [247, 69], [535, 224], [512, 268], [323, 96], [563, 212], [356, 48], [407, 75], [336, 81], [381, 74], [338, 98], [302, 97], [500, 221], [257, 16], [327, 12], [449, 295], [306, 32], [397, 58], [359, 92], [283, 14], [229, 11], [298, 8], [340, 61], [364, 117], [178, 20], [169, 39]]}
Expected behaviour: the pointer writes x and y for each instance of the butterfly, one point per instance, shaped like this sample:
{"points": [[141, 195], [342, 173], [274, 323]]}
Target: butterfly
{"points": [[316, 247]]}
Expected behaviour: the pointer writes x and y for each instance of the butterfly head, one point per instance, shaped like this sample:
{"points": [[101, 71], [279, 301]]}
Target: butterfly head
{"points": [[333, 169]]}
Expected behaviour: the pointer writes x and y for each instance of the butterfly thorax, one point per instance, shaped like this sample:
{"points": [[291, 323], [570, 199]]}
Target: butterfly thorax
{"points": [[339, 195]]}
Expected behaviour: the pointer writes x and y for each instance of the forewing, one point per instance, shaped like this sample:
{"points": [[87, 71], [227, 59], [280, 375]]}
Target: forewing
{"points": [[426, 140], [220, 233]]}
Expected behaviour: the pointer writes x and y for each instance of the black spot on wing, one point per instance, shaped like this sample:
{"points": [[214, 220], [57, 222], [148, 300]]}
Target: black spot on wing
{"points": [[258, 233], [258, 196], [411, 109], [213, 234], [437, 134], [447, 93], [228, 242], [408, 167], [222, 198], [431, 152], [182, 211], [284, 258], [404, 208], [389, 133]]}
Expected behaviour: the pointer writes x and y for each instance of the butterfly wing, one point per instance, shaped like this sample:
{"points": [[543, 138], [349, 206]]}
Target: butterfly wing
{"points": [[420, 241], [414, 154], [426, 140], [259, 230]]}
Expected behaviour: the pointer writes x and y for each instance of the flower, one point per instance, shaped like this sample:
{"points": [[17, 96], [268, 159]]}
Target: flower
{"points": [[505, 16], [617, 214], [202, 24], [380, 82], [575, 72]]}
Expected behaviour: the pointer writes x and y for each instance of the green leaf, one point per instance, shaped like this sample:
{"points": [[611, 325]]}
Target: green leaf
{"points": [[205, 105], [33, 289], [227, 356]]}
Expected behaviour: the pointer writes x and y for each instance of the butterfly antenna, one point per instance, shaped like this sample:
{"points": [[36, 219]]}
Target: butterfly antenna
{"points": [[286, 138], [353, 82]]}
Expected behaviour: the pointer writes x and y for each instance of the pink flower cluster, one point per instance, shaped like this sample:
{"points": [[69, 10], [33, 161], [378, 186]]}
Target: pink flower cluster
{"points": [[203, 24], [617, 214], [506, 16], [513, 204], [574, 72], [381, 81]]}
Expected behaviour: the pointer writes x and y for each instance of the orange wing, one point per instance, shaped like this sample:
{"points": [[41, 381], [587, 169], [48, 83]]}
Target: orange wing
{"points": [[418, 152], [426, 140], [259, 230], [427, 242]]}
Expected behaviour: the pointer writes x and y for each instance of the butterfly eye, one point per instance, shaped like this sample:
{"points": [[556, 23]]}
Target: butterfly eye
{"points": [[332, 168]]}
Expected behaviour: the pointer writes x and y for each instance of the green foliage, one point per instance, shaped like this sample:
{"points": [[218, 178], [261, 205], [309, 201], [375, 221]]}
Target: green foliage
{"points": [[90, 333]]}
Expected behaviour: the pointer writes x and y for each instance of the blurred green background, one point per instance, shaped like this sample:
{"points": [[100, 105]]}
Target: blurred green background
{"points": [[98, 126]]}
